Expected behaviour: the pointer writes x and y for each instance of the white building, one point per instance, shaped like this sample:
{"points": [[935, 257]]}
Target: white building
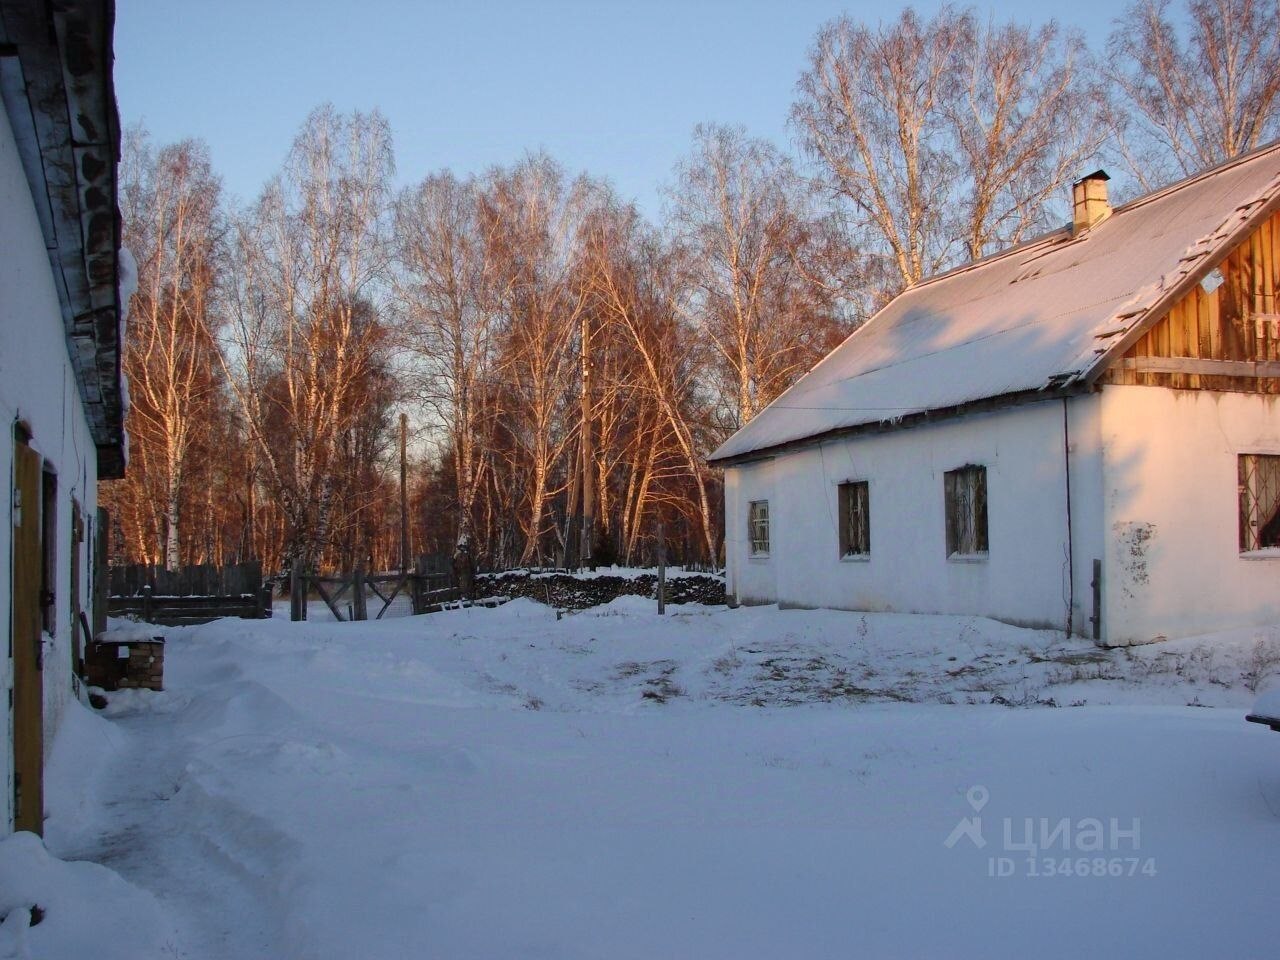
{"points": [[60, 390], [1081, 432]]}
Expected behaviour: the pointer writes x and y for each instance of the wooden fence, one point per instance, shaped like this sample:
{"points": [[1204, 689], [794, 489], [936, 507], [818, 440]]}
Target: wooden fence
{"points": [[189, 595], [203, 580]]}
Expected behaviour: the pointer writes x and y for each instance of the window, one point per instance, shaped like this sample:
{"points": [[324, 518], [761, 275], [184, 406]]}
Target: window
{"points": [[855, 521], [1259, 501], [966, 493], [758, 528], [49, 550]]}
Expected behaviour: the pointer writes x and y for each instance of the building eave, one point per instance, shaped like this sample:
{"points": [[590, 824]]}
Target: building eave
{"points": [[56, 84], [982, 405]]}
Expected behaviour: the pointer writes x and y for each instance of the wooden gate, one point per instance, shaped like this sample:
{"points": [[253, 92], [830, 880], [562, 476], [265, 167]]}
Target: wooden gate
{"points": [[426, 590], [28, 683]]}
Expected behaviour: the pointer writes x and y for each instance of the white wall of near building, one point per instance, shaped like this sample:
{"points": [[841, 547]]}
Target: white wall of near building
{"points": [[1173, 561], [1084, 428], [749, 578], [1024, 576], [732, 544], [37, 386]]}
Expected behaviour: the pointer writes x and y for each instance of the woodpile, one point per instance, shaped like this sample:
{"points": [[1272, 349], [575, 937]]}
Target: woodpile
{"points": [[122, 664], [569, 592]]}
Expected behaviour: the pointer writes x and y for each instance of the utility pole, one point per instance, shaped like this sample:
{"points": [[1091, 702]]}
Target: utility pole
{"points": [[572, 539], [662, 568], [249, 551], [588, 451], [404, 493]]}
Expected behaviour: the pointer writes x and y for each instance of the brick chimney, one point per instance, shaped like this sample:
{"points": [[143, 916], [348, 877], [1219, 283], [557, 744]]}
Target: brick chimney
{"points": [[1089, 203]]}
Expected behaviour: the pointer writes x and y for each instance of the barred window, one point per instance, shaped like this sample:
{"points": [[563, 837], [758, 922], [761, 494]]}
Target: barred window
{"points": [[758, 528], [1259, 476], [855, 522], [966, 495]]}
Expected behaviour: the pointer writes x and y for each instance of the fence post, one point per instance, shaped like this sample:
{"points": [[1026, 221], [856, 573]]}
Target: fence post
{"points": [[404, 493], [361, 611], [146, 602], [297, 597], [1096, 585], [416, 588], [662, 570]]}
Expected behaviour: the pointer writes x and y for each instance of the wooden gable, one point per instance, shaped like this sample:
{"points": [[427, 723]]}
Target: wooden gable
{"points": [[1227, 339]]}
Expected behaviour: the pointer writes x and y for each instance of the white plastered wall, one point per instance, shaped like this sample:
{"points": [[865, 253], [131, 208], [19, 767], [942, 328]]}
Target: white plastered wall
{"points": [[1173, 561], [37, 385], [1023, 579], [750, 579]]}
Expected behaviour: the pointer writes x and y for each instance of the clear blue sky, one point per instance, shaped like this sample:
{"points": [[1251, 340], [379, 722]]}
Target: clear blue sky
{"points": [[611, 87]]}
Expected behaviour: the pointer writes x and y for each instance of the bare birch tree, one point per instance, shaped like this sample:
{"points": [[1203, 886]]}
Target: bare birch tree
{"points": [[172, 223], [871, 113], [941, 138], [1028, 114], [449, 323], [531, 216], [1194, 89], [313, 256], [631, 281], [765, 290]]}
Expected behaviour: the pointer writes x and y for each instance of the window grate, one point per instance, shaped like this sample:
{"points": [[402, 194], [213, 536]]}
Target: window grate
{"points": [[1259, 477]]}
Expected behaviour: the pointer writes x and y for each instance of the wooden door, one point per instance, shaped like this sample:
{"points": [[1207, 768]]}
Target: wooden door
{"points": [[28, 682]]}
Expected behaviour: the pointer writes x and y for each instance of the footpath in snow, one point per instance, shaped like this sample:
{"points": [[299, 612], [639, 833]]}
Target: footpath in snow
{"points": [[713, 783]]}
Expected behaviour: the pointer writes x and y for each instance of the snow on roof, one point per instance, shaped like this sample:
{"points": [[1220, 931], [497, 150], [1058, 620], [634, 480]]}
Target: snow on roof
{"points": [[1038, 316]]}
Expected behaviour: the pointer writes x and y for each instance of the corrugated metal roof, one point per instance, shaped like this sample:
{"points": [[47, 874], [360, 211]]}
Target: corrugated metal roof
{"points": [[1040, 316]]}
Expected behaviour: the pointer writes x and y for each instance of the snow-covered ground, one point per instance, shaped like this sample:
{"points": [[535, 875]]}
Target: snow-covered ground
{"points": [[713, 783]]}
